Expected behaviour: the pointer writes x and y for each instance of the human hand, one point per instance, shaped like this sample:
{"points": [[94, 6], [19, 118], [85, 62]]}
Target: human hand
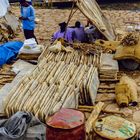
{"points": [[22, 18]]}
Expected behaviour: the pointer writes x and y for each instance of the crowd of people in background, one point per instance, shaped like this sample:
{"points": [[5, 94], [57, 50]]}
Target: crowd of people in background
{"points": [[76, 33]]}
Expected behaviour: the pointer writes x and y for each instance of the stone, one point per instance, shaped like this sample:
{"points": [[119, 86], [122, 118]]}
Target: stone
{"points": [[136, 116]]}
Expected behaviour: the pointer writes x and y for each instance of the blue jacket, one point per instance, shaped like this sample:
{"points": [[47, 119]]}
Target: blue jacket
{"points": [[28, 12]]}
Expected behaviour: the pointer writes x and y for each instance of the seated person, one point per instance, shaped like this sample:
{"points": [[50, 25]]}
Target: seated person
{"points": [[92, 32], [79, 33], [63, 33]]}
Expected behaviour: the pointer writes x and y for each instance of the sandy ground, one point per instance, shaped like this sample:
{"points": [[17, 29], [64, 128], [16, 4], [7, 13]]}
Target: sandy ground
{"points": [[50, 18]]}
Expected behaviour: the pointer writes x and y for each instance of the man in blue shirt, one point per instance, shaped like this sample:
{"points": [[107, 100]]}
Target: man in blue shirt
{"points": [[28, 19]]}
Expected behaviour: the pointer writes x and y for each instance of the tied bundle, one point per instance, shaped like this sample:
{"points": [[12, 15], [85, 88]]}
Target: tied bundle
{"points": [[126, 92], [130, 39], [52, 86], [77, 57], [86, 48], [6, 75]]}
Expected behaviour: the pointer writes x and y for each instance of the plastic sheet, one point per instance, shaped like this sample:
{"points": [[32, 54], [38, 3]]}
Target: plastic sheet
{"points": [[30, 47], [4, 4], [15, 127], [9, 51], [12, 21], [36, 130]]}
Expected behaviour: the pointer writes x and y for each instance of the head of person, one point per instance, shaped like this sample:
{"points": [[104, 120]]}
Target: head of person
{"points": [[63, 26], [29, 2], [24, 3], [77, 24]]}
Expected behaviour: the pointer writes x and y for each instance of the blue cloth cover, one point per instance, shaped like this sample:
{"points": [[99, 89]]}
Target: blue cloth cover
{"points": [[9, 51]]}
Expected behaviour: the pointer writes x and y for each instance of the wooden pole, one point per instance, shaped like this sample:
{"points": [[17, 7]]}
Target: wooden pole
{"points": [[50, 3], [70, 16], [93, 116]]}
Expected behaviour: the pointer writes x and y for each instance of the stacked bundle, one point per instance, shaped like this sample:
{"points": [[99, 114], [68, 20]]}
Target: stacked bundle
{"points": [[98, 47], [130, 39], [126, 92], [107, 88], [6, 75], [3, 34], [51, 86], [89, 84], [8, 26], [86, 48], [107, 46], [76, 56], [30, 50], [108, 74]]}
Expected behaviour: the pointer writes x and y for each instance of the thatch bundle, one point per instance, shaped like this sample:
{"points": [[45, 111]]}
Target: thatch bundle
{"points": [[56, 82], [130, 39]]}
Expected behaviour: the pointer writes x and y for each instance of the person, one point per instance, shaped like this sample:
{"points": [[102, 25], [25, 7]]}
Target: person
{"points": [[28, 19], [63, 32], [92, 32], [79, 33], [29, 2]]}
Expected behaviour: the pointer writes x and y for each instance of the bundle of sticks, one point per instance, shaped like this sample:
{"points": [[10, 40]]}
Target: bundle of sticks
{"points": [[97, 47], [76, 56], [6, 75], [51, 86], [87, 48], [26, 56], [6, 32], [130, 39]]}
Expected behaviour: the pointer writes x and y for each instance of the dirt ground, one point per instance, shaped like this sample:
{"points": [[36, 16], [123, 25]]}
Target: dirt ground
{"points": [[48, 24], [48, 20]]}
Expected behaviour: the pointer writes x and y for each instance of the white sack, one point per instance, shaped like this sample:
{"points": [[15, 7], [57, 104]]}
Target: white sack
{"points": [[4, 4]]}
